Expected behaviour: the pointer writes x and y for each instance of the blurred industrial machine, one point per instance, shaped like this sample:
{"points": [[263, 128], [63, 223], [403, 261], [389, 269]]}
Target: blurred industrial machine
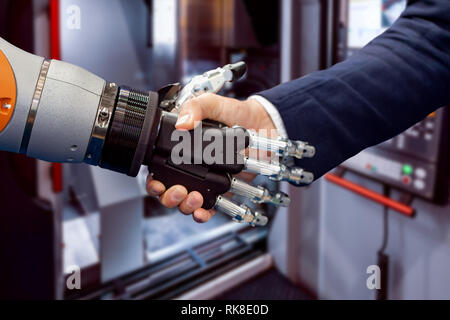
{"points": [[414, 161], [408, 174], [124, 243]]}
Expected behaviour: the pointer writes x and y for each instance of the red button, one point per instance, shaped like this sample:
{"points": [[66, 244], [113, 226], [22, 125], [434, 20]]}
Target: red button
{"points": [[406, 180]]}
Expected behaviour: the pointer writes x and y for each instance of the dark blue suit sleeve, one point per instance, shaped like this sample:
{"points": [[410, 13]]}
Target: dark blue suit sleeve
{"points": [[389, 85]]}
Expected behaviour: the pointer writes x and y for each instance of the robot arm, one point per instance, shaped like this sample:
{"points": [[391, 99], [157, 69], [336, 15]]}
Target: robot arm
{"points": [[58, 112], [47, 107]]}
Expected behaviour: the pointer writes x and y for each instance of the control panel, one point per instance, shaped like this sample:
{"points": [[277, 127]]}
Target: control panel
{"points": [[421, 140], [413, 161]]}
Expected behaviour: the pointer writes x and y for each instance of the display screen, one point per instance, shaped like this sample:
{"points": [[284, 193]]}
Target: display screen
{"points": [[370, 18]]}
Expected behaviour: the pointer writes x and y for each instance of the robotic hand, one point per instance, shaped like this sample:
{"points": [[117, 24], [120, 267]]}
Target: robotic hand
{"points": [[213, 179], [58, 112]]}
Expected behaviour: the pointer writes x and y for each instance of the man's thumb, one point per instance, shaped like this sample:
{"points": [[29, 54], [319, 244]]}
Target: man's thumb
{"points": [[206, 106], [185, 121]]}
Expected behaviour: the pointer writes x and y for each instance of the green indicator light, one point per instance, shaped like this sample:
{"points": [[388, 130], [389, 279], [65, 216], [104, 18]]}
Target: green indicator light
{"points": [[407, 169]]}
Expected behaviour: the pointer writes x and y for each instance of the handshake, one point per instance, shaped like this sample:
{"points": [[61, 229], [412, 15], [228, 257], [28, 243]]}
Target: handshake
{"points": [[208, 138]]}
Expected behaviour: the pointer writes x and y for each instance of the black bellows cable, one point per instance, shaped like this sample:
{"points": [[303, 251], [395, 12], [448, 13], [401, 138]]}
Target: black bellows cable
{"points": [[125, 130]]}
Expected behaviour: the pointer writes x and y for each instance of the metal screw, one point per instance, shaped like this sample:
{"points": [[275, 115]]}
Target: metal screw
{"points": [[104, 114]]}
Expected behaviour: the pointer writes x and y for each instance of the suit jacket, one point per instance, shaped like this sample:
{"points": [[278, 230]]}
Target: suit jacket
{"points": [[383, 89]]}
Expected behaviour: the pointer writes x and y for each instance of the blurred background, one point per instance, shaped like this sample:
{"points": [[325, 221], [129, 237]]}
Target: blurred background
{"points": [[387, 206]]}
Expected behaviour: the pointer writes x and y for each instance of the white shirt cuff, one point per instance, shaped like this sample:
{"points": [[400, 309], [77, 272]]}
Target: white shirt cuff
{"points": [[273, 113]]}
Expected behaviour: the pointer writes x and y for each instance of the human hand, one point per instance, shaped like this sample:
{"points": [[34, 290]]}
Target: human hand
{"points": [[249, 114]]}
